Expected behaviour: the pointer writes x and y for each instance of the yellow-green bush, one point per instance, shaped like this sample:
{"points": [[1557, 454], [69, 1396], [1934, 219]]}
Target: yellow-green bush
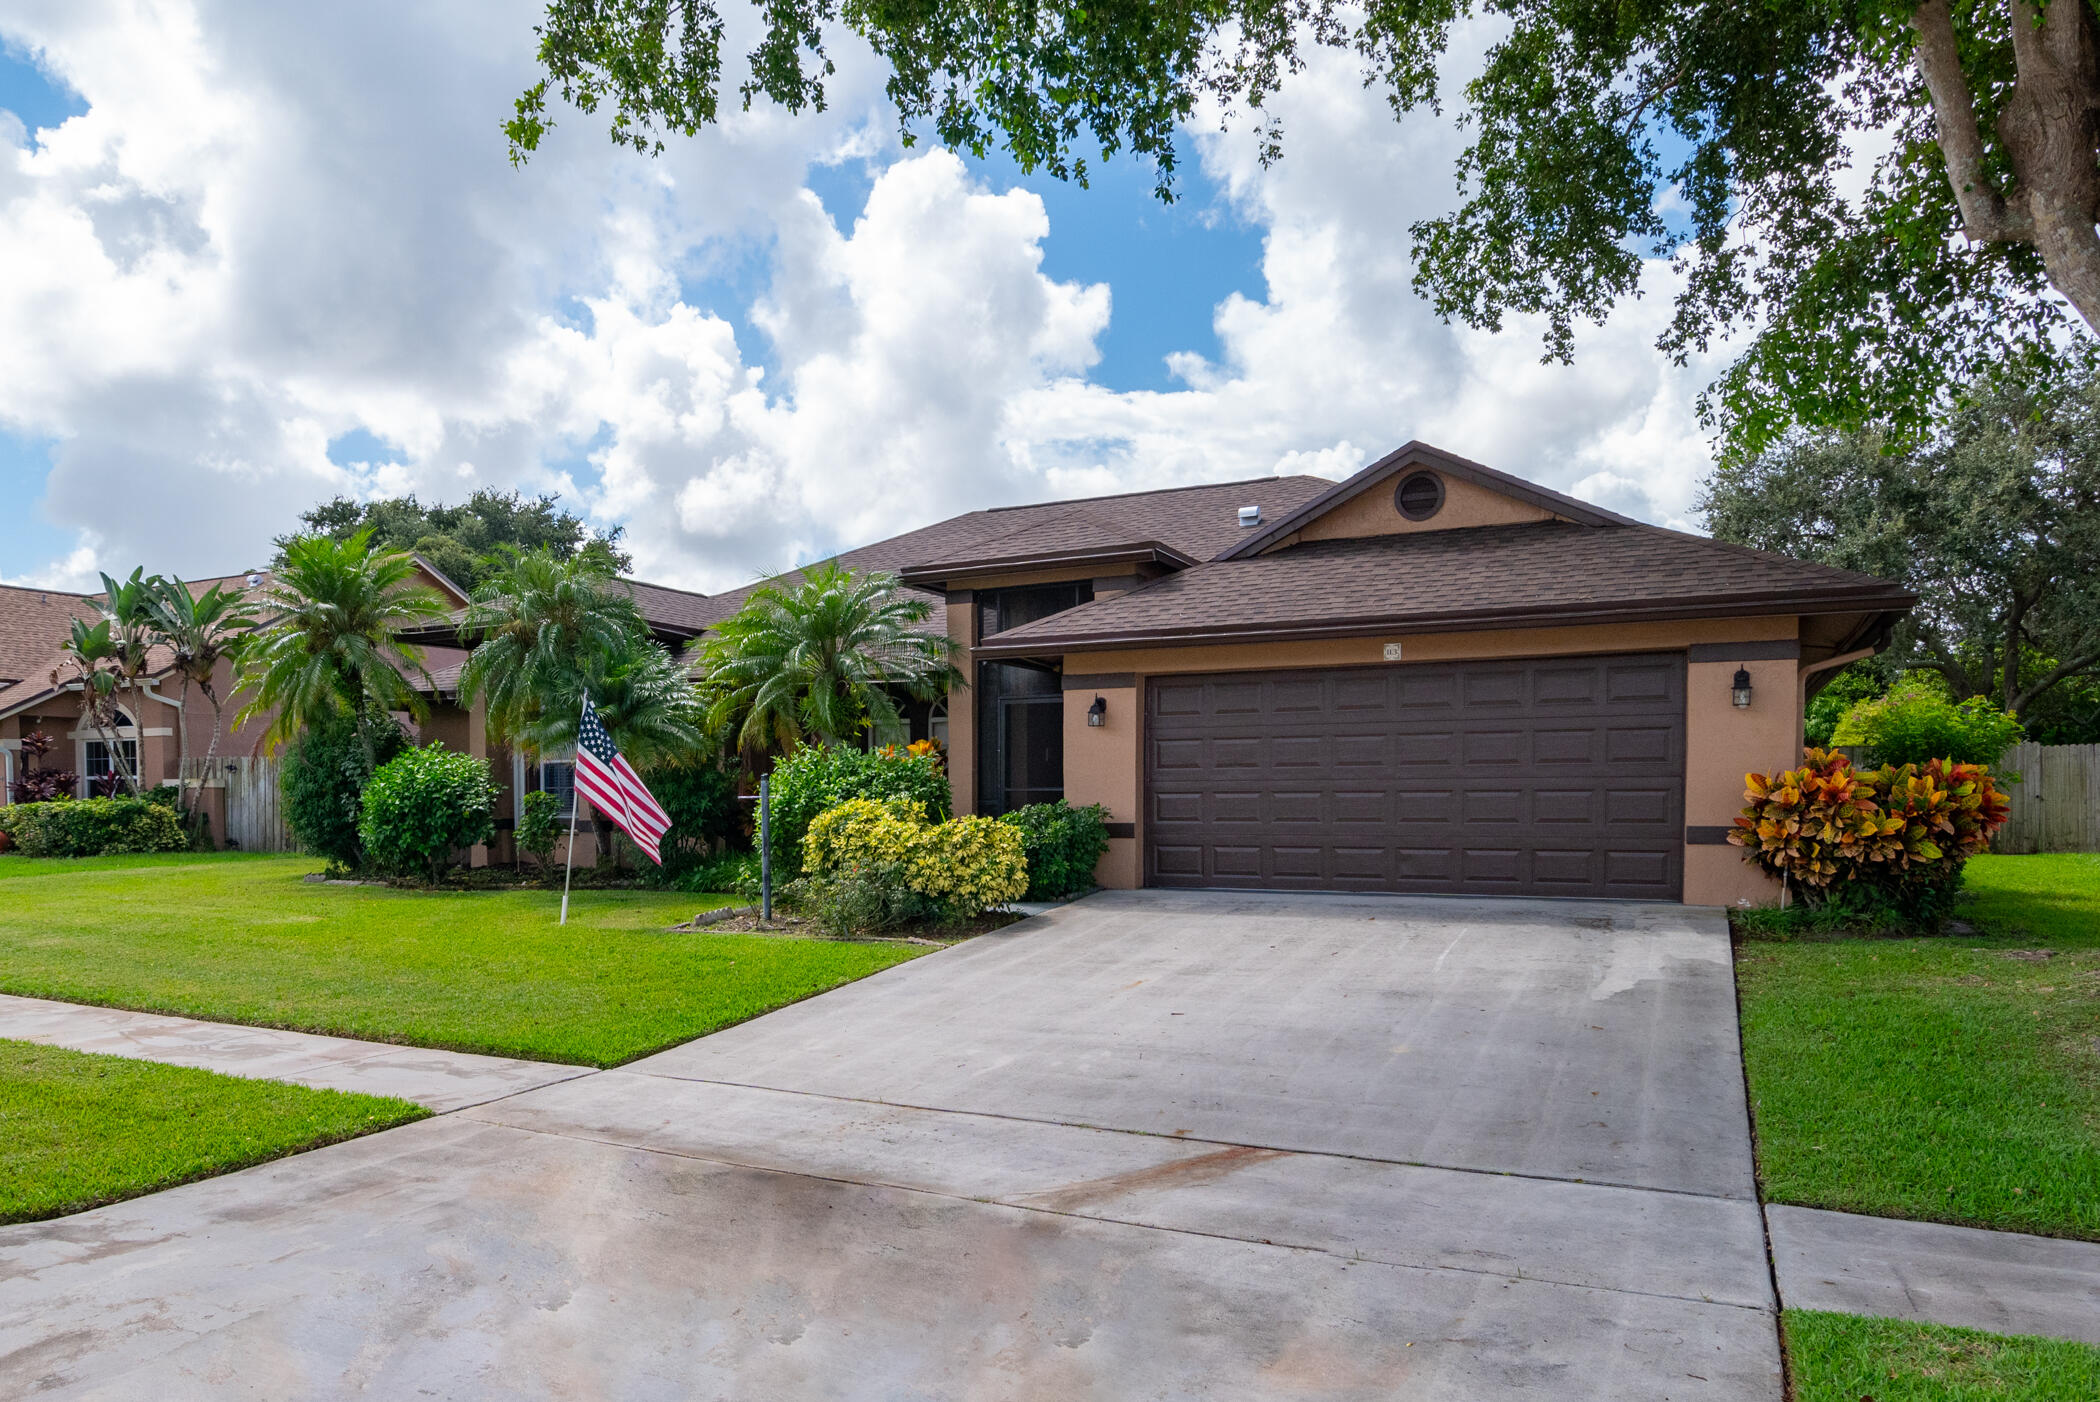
{"points": [[957, 869]]}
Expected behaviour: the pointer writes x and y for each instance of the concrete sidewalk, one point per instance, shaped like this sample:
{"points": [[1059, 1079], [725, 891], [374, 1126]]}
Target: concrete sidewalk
{"points": [[436, 1080], [2005, 1282]]}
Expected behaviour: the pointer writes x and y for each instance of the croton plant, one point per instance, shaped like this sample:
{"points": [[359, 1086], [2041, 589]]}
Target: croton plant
{"points": [[1826, 824]]}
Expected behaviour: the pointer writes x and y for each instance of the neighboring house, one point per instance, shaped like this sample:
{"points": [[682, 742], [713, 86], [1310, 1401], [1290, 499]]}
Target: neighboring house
{"points": [[35, 694], [1433, 677]]}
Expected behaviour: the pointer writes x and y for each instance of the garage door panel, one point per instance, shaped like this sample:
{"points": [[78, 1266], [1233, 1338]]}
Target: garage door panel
{"points": [[1550, 777]]}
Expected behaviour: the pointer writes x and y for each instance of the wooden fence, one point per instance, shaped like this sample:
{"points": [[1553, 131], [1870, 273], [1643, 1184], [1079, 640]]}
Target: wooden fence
{"points": [[2056, 804], [254, 815]]}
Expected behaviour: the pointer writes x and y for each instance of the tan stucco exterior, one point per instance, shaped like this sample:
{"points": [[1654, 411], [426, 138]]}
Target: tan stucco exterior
{"points": [[1372, 513], [1105, 764]]}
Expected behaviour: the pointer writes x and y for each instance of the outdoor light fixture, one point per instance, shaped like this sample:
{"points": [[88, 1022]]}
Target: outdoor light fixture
{"points": [[1097, 714], [1739, 690]]}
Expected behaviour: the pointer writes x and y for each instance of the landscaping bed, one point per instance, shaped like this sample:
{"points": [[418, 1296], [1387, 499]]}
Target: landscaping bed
{"points": [[1954, 1078], [746, 921], [1844, 1358], [244, 938], [78, 1130]]}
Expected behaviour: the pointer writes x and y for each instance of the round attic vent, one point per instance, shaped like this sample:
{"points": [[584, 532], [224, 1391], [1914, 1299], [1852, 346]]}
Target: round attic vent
{"points": [[1419, 496]]}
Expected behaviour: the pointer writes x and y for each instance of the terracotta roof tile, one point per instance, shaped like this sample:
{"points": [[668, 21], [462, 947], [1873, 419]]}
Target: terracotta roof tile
{"points": [[1485, 576]]}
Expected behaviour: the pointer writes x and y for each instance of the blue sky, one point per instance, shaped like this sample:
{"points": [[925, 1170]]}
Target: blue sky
{"points": [[29, 535], [281, 257]]}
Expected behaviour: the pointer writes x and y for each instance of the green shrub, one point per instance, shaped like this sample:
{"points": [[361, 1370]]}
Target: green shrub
{"points": [[93, 827], [1062, 845], [163, 796], [1885, 847], [732, 873], [817, 777], [323, 782], [1915, 723], [424, 805], [539, 826], [700, 797], [862, 858]]}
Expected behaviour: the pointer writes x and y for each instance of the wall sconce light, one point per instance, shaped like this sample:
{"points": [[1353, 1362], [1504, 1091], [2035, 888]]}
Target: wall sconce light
{"points": [[1097, 714], [1739, 689]]}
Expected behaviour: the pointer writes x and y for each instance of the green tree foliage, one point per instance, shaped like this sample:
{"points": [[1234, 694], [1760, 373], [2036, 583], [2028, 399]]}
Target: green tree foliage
{"points": [[818, 777], [333, 653], [425, 805], [323, 781], [1582, 116], [200, 632], [1861, 681], [545, 627], [822, 658], [700, 797], [539, 827], [1994, 521], [465, 542], [1916, 722]]}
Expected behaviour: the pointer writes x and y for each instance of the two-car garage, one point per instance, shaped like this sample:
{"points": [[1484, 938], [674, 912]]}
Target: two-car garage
{"points": [[1547, 777]]}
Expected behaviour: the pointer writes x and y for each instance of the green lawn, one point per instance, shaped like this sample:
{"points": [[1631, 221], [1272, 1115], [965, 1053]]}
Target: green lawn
{"points": [[78, 1130], [1945, 1079], [238, 938], [1842, 1358]]}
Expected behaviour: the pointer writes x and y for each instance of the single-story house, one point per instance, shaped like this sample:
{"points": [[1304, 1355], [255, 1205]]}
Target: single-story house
{"points": [[1433, 677]]}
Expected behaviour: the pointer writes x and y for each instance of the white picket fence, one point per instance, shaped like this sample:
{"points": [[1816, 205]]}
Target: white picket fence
{"points": [[254, 810]]}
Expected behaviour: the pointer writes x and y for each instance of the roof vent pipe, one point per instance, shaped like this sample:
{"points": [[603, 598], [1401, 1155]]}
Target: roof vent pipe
{"points": [[1250, 515]]}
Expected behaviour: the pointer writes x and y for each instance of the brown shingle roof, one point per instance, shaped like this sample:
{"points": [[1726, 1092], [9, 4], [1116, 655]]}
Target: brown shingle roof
{"points": [[667, 609], [1488, 576], [33, 622], [1198, 522]]}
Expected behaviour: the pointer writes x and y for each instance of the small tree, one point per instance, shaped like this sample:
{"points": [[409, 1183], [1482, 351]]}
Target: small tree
{"points": [[539, 827], [323, 784], [424, 805], [200, 631]]}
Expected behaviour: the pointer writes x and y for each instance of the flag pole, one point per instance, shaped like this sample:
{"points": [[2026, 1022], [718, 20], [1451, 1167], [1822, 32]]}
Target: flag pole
{"points": [[570, 856]]}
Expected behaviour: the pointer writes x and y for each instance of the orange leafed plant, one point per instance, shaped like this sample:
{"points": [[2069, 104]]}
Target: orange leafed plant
{"points": [[1828, 824]]}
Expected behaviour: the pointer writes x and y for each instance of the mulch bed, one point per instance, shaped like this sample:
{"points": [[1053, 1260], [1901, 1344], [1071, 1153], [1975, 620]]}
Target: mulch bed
{"points": [[743, 920]]}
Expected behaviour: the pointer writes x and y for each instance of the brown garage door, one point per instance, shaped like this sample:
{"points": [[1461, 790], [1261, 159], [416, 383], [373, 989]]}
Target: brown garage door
{"points": [[1561, 777]]}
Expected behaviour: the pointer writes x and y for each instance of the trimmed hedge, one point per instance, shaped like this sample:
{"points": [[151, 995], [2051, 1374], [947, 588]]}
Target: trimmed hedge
{"points": [[874, 865], [93, 827], [1063, 844]]}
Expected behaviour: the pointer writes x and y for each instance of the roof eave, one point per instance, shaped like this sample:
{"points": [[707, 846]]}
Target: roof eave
{"points": [[1545, 616], [937, 575]]}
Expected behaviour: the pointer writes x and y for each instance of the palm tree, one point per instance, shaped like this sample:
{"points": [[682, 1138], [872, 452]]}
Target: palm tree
{"points": [[544, 625], [95, 653], [334, 653], [200, 631], [823, 658]]}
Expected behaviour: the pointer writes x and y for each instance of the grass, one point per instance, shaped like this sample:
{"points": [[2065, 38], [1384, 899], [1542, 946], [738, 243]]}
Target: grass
{"points": [[242, 938], [1953, 1079], [78, 1130], [1843, 1358]]}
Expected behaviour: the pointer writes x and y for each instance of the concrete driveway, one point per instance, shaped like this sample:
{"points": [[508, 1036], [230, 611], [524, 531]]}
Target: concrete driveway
{"points": [[1153, 1145]]}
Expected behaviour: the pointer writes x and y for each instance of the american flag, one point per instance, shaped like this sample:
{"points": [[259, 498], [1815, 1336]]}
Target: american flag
{"points": [[614, 789]]}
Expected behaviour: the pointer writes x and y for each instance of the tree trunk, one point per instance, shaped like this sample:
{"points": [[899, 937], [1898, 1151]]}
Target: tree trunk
{"points": [[2050, 127]]}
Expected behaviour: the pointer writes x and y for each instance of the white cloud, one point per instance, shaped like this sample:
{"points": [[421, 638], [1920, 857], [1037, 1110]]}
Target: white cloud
{"points": [[275, 225]]}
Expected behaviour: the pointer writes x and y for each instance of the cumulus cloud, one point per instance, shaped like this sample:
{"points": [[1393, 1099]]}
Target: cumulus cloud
{"points": [[278, 225]]}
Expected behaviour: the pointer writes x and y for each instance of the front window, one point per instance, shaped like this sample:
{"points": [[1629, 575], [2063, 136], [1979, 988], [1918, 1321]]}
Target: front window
{"points": [[97, 770], [558, 777]]}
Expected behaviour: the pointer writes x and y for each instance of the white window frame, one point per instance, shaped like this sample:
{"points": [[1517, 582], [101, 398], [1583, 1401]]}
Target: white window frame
{"points": [[567, 759]]}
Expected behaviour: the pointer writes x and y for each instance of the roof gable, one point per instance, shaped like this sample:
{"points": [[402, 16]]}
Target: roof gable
{"points": [[1471, 495]]}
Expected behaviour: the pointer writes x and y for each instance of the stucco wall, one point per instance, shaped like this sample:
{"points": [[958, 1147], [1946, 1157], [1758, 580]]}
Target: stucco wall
{"points": [[1104, 764], [1372, 513]]}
